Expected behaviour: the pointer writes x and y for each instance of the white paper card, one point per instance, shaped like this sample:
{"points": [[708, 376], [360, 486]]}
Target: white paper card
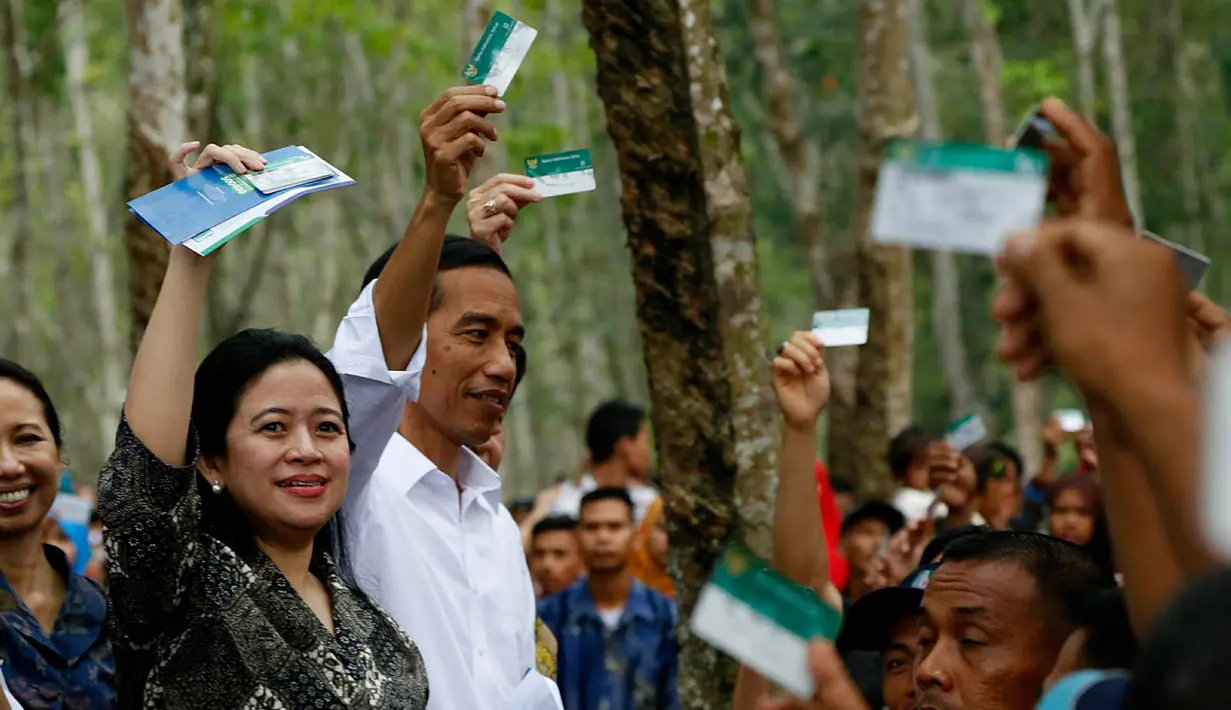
{"points": [[841, 328], [959, 197], [1214, 505], [1071, 420], [736, 629]]}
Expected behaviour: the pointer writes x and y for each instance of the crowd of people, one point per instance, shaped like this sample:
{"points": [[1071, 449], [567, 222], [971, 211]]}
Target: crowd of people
{"points": [[280, 527]]}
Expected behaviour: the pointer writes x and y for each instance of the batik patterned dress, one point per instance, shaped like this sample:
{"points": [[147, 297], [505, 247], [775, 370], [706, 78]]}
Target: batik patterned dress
{"points": [[198, 625]]}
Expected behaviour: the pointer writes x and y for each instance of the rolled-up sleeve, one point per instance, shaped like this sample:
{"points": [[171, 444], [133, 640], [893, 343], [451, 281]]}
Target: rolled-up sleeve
{"points": [[375, 395]]}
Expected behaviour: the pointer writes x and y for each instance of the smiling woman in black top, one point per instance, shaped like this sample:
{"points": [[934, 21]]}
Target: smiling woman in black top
{"points": [[220, 507]]}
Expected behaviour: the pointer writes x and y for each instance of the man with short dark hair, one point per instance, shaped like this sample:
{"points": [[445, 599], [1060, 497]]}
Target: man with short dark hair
{"points": [[617, 636], [995, 616], [555, 555], [434, 337], [618, 438]]}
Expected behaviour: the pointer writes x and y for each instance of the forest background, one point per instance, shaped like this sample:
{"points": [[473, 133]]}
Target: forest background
{"points": [[95, 90]]}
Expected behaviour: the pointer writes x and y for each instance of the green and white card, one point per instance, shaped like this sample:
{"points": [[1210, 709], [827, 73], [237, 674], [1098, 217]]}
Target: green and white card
{"points": [[291, 172], [957, 196], [561, 173], [967, 432], [840, 328], [763, 620], [499, 53]]}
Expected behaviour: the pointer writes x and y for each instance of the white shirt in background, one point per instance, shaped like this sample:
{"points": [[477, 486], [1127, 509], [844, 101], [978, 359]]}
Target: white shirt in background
{"points": [[913, 504], [449, 569], [568, 502]]}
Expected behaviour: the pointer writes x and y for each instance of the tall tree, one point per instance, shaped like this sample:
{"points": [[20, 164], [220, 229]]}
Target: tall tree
{"points": [[886, 112], [202, 43], [156, 126], [1186, 127], [111, 357], [687, 211], [19, 133], [1084, 18], [801, 154], [986, 56], [1121, 109], [946, 277]]}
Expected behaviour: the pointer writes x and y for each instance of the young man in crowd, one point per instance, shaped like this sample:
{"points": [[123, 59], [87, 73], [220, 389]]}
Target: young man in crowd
{"points": [[618, 438], [436, 337], [617, 636], [908, 462], [865, 534], [555, 555]]}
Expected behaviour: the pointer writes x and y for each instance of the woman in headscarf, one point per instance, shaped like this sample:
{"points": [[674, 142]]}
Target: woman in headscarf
{"points": [[649, 557]]}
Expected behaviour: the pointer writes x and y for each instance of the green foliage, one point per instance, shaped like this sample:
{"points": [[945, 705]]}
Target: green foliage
{"points": [[349, 79]]}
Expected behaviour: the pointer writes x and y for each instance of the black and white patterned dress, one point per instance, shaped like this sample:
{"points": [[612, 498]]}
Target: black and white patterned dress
{"points": [[196, 626]]}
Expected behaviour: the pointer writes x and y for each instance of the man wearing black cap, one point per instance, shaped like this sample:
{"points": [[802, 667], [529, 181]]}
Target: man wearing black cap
{"points": [[887, 621], [865, 534]]}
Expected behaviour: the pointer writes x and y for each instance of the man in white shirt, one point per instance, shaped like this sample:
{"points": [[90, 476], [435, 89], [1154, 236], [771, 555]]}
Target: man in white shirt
{"points": [[618, 439], [427, 537]]}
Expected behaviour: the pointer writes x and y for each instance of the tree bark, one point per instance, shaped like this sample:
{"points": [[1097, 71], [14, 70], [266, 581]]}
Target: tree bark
{"points": [[985, 52], [1083, 14], [801, 155], [1121, 108], [156, 126], [21, 286], [946, 277], [687, 211], [1186, 128], [112, 356], [887, 111], [201, 45]]}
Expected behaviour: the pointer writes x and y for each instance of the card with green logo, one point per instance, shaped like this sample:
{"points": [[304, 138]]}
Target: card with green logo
{"points": [[561, 173], [957, 196], [499, 53], [966, 432], [763, 620], [840, 328]]}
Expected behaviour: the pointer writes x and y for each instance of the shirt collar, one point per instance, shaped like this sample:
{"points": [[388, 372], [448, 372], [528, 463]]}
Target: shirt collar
{"points": [[80, 621], [638, 605], [472, 472]]}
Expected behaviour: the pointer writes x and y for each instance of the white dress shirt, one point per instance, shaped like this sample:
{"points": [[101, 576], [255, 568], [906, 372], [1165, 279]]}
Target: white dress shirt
{"points": [[450, 569], [568, 502]]}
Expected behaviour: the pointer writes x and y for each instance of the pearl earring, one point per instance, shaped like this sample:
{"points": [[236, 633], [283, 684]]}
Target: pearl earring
{"points": [[217, 487]]}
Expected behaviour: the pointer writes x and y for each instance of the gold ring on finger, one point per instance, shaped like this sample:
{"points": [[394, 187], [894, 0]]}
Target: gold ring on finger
{"points": [[489, 207]]}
